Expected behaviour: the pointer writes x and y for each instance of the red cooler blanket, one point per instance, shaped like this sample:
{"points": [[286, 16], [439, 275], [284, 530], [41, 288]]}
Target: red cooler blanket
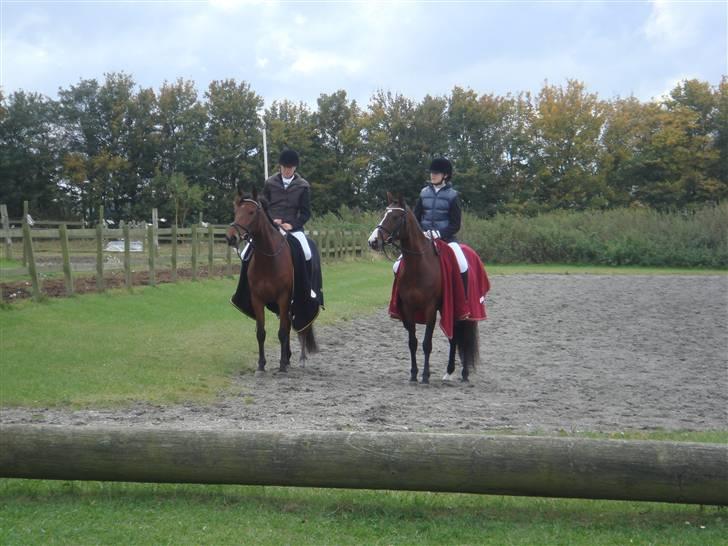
{"points": [[454, 305]]}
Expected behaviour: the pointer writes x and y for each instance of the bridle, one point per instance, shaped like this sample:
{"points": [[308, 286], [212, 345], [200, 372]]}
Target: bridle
{"points": [[393, 235], [246, 235]]}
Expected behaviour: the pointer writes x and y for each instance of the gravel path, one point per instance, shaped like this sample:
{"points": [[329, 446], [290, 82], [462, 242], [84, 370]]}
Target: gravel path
{"points": [[558, 352]]}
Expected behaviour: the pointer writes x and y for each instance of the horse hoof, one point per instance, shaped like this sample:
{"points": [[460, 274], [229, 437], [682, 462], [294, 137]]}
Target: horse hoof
{"points": [[259, 373], [425, 381], [447, 377]]}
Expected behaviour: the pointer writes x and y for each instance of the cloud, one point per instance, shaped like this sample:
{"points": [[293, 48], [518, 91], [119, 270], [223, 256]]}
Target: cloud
{"points": [[672, 25]]}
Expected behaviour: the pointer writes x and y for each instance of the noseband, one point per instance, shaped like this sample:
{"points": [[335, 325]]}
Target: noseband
{"points": [[393, 235]]}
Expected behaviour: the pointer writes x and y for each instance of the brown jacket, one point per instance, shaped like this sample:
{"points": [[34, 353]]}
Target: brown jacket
{"points": [[292, 204]]}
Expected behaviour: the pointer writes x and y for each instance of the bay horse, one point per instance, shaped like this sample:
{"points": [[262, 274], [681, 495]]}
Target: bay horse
{"points": [[270, 276], [420, 289]]}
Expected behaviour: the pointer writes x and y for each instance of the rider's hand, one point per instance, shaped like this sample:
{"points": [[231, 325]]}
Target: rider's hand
{"points": [[286, 226], [432, 234]]}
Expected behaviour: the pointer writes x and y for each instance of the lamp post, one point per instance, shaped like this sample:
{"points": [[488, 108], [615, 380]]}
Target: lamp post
{"points": [[265, 145]]}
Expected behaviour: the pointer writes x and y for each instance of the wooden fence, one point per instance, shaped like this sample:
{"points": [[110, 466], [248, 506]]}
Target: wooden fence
{"points": [[681, 472], [199, 249]]}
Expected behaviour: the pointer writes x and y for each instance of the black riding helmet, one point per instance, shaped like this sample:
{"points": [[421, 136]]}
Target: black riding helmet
{"points": [[288, 158], [441, 165]]}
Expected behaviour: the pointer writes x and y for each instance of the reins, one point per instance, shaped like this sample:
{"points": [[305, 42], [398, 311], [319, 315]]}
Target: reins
{"points": [[245, 233], [391, 235]]}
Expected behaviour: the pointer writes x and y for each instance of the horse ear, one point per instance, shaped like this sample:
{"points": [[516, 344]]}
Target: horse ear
{"points": [[255, 193], [390, 199], [401, 201]]}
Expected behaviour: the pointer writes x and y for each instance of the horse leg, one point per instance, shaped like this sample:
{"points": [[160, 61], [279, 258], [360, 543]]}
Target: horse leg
{"points": [[259, 311], [410, 325], [427, 348], [284, 335]]}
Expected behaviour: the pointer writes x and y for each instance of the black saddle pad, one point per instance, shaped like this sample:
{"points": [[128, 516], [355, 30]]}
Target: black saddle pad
{"points": [[307, 278]]}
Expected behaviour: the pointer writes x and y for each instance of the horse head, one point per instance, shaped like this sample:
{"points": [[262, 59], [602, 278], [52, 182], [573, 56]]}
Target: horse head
{"points": [[392, 227], [247, 214]]}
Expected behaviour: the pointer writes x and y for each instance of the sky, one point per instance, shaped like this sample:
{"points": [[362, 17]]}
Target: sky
{"points": [[298, 50]]}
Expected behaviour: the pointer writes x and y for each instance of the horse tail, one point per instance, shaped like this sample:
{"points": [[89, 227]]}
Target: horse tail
{"points": [[308, 339], [466, 339]]}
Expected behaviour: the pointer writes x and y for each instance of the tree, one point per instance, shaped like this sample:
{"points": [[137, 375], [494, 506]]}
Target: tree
{"points": [[233, 139], [396, 163], [337, 178], [567, 130], [28, 153]]}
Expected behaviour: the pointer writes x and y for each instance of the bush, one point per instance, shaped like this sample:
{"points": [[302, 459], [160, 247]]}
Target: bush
{"points": [[643, 237]]}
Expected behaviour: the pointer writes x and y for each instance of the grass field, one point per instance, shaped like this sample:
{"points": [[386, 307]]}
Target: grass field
{"points": [[182, 342]]}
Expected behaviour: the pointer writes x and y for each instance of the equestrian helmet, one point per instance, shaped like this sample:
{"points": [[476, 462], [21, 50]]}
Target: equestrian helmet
{"points": [[288, 158], [441, 165]]}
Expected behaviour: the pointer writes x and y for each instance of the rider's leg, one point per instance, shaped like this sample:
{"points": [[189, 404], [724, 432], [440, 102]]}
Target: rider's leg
{"points": [[462, 264], [301, 236]]}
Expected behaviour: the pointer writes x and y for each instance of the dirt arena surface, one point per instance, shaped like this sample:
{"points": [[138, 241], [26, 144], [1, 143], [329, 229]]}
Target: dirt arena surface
{"points": [[558, 352]]}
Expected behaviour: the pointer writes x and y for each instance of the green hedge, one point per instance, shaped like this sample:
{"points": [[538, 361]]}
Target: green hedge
{"points": [[642, 237]]}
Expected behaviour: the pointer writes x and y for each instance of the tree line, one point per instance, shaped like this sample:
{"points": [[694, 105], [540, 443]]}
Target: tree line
{"points": [[129, 149]]}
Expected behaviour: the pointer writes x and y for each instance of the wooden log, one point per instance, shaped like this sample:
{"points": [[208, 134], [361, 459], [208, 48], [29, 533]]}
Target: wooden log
{"points": [[100, 256], [127, 258], [6, 232], [26, 213], [67, 274], [210, 250], [152, 255], [174, 252], [681, 472], [29, 259], [194, 251]]}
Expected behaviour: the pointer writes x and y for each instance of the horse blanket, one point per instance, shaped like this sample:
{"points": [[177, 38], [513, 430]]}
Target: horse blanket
{"points": [[455, 305]]}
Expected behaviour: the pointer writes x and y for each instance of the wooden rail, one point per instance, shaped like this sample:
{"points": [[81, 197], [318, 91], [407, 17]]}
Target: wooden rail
{"points": [[67, 251], [504, 465]]}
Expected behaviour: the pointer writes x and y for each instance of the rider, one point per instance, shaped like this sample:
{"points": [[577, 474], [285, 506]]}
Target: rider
{"points": [[438, 210], [289, 199]]}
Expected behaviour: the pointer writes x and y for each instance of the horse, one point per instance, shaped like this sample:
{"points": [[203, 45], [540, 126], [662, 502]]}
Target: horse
{"points": [[270, 276], [420, 290]]}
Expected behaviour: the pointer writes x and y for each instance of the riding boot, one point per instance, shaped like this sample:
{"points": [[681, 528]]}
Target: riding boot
{"points": [[464, 276]]}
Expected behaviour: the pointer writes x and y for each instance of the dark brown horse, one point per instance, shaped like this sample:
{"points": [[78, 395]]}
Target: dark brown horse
{"points": [[269, 276], [420, 289]]}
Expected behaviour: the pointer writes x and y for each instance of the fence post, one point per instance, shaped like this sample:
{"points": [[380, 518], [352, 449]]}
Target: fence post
{"points": [[68, 278], [155, 225], [194, 251], [100, 257], [152, 254], [6, 227], [174, 252], [210, 250], [26, 212], [127, 257], [28, 252]]}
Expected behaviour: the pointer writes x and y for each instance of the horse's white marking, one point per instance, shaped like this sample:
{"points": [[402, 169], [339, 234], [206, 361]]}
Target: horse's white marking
{"points": [[375, 233], [447, 377]]}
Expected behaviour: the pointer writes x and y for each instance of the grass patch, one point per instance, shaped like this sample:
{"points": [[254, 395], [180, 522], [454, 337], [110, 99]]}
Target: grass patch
{"points": [[45, 512], [166, 344]]}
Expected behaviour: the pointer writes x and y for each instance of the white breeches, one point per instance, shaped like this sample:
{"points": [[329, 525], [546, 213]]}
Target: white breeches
{"points": [[297, 234], [462, 262], [301, 236]]}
